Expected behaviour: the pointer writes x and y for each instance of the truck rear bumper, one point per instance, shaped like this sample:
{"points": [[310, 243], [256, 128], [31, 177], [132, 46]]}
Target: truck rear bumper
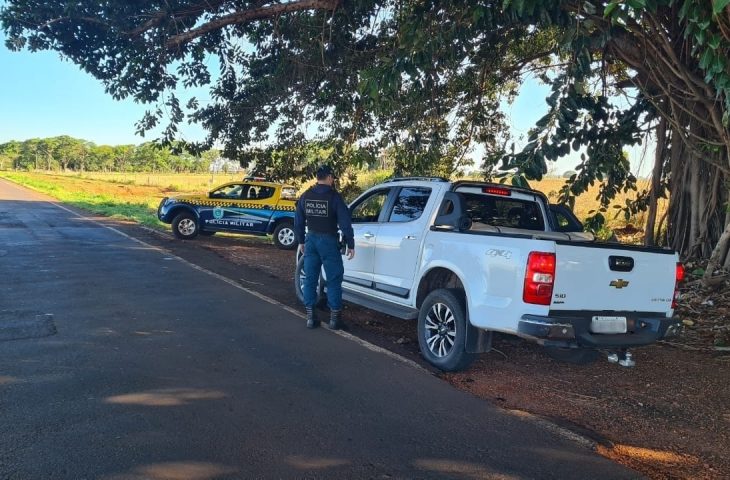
{"points": [[575, 331]]}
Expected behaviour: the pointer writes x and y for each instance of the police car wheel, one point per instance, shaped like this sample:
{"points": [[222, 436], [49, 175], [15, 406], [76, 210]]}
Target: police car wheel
{"points": [[299, 277], [184, 226], [284, 237]]}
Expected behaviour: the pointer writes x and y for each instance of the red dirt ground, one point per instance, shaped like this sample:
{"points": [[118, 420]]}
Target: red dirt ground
{"points": [[668, 417]]}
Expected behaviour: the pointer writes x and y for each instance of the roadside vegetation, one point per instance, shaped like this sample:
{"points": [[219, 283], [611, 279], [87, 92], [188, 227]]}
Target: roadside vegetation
{"points": [[136, 195], [421, 86], [123, 202]]}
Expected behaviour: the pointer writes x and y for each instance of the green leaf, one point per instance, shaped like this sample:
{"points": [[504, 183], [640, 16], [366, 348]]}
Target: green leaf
{"points": [[706, 59], [477, 14], [714, 41], [700, 37], [609, 9], [637, 4], [719, 5], [519, 6]]}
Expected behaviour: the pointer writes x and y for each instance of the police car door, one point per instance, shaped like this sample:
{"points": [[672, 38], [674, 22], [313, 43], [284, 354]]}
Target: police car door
{"points": [[256, 206], [220, 209], [366, 214]]}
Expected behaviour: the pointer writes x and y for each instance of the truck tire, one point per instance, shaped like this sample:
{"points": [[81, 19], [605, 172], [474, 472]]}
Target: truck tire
{"points": [[576, 356], [442, 330], [299, 283], [284, 237], [185, 226]]}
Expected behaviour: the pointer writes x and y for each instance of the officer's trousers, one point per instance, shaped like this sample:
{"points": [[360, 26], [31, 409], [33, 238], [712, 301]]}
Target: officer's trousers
{"points": [[322, 250]]}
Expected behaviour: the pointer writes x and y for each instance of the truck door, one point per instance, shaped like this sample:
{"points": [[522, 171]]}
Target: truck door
{"points": [[367, 213], [398, 245]]}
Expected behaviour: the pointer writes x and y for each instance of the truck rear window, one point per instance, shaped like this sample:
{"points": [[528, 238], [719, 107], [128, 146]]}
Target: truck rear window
{"points": [[503, 212]]}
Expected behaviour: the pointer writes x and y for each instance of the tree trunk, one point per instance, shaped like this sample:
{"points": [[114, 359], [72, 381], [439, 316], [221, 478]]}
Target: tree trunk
{"points": [[661, 140], [698, 195], [716, 259], [727, 250]]}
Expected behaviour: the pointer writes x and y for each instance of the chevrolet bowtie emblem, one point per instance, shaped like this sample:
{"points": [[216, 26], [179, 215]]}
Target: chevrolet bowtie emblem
{"points": [[620, 283]]}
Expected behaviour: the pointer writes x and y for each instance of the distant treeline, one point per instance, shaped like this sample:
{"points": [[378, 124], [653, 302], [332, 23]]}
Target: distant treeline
{"points": [[66, 153]]}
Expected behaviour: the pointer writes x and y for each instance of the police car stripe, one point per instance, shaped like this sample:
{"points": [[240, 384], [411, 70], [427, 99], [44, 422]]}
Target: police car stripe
{"points": [[239, 205]]}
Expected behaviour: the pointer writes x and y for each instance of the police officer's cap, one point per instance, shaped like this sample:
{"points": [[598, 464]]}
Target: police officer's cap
{"points": [[324, 171]]}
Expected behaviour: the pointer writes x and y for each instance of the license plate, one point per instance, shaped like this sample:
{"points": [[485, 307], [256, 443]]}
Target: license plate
{"points": [[608, 325]]}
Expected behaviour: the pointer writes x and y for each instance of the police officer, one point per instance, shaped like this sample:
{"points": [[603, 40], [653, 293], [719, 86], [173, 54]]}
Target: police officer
{"points": [[321, 209]]}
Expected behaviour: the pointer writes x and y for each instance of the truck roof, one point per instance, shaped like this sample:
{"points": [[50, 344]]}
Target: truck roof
{"points": [[421, 181]]}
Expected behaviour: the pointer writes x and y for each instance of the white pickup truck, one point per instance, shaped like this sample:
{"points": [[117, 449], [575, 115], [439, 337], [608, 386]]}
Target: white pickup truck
{"points": [[471, 258]]}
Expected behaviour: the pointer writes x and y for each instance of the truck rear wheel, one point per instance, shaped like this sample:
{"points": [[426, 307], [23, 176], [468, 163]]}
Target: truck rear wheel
{"points": [[299, 277], [442, 330]]}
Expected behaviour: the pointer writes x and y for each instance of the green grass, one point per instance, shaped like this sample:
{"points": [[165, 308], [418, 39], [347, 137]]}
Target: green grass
{"points": [[95, 203]]}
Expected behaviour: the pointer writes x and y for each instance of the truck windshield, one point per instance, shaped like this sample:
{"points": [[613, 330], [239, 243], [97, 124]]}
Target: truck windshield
{"points": [[503, 212]]}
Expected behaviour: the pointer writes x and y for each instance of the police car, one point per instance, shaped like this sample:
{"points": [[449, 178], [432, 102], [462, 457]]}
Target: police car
{"points": [[252, 206]]}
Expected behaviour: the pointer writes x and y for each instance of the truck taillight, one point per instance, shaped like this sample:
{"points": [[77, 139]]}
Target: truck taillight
{"points": [[539, 278], [504, 192], [678, 277]]}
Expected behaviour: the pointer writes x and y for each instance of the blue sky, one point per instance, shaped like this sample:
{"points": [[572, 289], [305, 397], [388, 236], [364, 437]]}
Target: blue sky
{"points": [[44, 96]]}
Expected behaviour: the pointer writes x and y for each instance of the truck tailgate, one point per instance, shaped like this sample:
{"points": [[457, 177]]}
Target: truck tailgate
{"points": [[600, 277]]}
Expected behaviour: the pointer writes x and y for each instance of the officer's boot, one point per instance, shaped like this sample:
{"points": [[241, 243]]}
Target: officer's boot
{"points": [[312, 321], [336, 319]]}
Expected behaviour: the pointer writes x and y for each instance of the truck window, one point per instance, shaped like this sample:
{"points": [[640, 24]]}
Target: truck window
{"points": [[368, 210], [410, 204], [503, 212], [565, 220]]}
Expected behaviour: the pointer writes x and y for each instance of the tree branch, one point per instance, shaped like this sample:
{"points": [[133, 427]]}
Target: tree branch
{"points": [[247, 16]]}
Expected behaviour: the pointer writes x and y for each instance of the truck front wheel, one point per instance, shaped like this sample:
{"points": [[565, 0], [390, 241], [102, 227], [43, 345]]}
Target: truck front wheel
{"points": [[442, 330]]}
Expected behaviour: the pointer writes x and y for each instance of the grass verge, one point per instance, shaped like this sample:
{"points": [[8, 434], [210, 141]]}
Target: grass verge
{"points": [[99, 203]]}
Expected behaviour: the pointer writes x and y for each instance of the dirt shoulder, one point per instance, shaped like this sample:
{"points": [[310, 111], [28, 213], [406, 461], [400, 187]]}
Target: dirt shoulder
{"points": [[668, 417]]}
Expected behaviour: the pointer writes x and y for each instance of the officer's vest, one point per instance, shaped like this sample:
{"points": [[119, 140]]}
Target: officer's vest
{"points": [[319, 209]]}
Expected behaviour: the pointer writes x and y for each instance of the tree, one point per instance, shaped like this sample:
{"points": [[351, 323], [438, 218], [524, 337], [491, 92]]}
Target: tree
{"points": [[675, 54], [425, 80], [102, 158], [9, 153]]}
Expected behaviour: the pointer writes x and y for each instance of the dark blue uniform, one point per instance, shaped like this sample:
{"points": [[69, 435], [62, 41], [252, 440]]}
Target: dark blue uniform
{"points": [[321, 210]]}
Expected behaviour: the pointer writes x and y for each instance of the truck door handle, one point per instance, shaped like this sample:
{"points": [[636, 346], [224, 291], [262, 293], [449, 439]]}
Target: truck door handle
{"points": [[410, 237], [368, 235]]}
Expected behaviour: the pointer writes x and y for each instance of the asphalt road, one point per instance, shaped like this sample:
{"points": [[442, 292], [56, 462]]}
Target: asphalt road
{"points": [[159, 370]]}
